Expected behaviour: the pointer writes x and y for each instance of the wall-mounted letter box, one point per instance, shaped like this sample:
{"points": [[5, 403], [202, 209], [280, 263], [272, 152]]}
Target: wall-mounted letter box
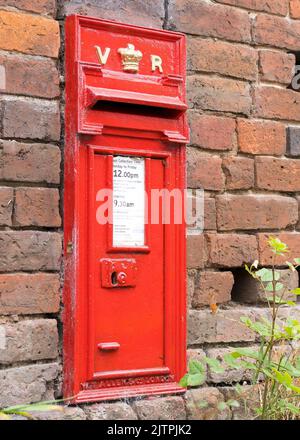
{"points": [[126, 131]]}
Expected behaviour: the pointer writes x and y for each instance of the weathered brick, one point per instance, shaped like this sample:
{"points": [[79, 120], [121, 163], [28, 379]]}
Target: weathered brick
{"points": [[30, 76], [165, 408], [248, 397], [248, 290], [292, 239], [276, 103], [293, 141], [203, 18], [225, 326], [64, 413], [37, 207], [276, 66], [196, 253], [29, 162], [29, 341], [204, 404], [295, 8], [277, 174], [212, 287], [27, 33], [239, 172], [46, 7], [204, 171], [221, 57], [218, 94], [26, 384], [212, 132], [24, 294], [276, 31], [191, 276], [229, 375], [31, 119], [6, 205], [132, 11], [279, 7], [261, 137], [210, 219], [29, 250], [247, 212], [110, 411], [231, 250]]}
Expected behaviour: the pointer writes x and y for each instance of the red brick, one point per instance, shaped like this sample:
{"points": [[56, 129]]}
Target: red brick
{"points": [[221, 57], [246, 212], [46, 7], [212, 132], [25, 294], [30, 34], [196, 252], [6, 205], [278, 7], [218, 94], [212, 287], [231, 250], [30, 76], [261, 137], [277, 103], [209, 19], [204, 171], [239, 172], [37, 207], [295, 8], [277, 174], [29, 250], [29, 162], [136, 12], [276, 66], [292, 239], [29, 341], [31, 119], [276, 31]]}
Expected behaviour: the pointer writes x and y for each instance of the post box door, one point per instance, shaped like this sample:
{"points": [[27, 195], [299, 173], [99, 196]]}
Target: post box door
{"points": [[127, 258]]}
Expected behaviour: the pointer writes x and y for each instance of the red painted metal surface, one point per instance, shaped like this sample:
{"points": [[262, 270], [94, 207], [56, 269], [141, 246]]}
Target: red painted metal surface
{"points": [[124, 307]]}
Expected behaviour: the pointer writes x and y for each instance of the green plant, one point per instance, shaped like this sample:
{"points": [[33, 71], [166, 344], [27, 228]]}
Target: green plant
{"points": [[276, 363], [25, 410]]}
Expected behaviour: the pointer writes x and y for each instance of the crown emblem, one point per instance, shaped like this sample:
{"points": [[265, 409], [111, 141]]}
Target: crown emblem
{"points": [[130, 58]]}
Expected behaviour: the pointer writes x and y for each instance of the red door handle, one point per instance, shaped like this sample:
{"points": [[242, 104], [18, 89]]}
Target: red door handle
{"points": [[109, 346]]}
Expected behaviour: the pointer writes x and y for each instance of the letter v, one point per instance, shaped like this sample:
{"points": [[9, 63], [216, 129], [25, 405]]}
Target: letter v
{"points": [[102, 57]]}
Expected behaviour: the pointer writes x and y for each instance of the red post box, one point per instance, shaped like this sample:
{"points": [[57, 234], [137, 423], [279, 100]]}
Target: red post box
{"points": [[126, 131]]}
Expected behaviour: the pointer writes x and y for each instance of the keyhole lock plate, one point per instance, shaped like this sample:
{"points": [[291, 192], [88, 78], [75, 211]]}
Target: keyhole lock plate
{"points": [[118, 272]]}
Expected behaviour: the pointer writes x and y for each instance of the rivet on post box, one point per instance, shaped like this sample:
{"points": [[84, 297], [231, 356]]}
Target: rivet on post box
{"points": [[124, 287]]}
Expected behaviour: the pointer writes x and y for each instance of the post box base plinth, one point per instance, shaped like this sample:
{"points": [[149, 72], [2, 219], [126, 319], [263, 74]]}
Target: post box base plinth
{"points": [[97, 395]]}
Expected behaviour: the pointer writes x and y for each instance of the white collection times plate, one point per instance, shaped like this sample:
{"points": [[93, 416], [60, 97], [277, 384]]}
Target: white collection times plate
{"points": [[128, 201]]}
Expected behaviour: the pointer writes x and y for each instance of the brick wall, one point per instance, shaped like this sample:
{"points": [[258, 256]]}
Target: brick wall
{"points": [[244, 152]]}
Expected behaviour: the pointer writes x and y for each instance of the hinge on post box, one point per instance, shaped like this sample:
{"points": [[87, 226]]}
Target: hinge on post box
{"points": [[69, 247]]}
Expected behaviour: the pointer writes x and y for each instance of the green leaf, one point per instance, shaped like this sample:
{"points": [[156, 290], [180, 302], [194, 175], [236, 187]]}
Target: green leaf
{"points": [[296, 291], [184, 381], [277, 246], [297, 260], [195, 380], [232, 361], [195, 367], [222, 406], [267, 275], [214, 365], [233, 403]]}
